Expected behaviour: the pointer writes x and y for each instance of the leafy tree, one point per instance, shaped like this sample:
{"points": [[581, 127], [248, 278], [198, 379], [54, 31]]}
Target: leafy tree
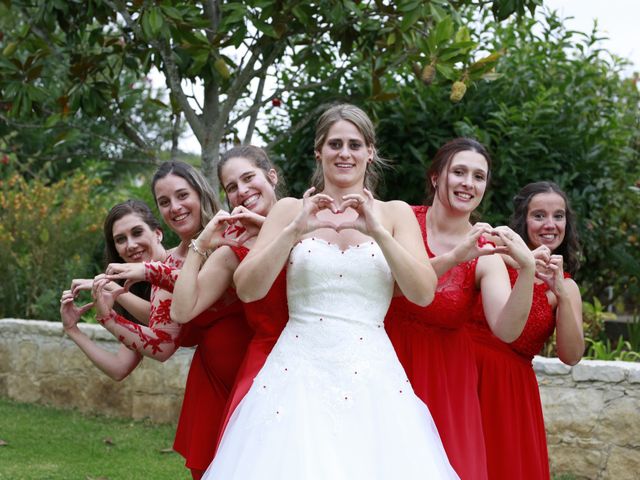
{"points": [[556, 107], [246, 55]]}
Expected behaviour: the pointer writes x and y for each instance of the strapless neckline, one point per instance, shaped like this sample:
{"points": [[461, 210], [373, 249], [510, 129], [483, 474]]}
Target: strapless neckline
{"points": [[336, 246]]}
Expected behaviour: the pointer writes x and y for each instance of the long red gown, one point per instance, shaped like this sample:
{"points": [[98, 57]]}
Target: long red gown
{"points": [[509, 397], [220, 335], [267, 317], [436, 352]]}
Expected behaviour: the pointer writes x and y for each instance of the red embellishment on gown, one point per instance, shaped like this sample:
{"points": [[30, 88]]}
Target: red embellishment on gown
{"points": [[436, 352], [514, 431], [267, 317]]}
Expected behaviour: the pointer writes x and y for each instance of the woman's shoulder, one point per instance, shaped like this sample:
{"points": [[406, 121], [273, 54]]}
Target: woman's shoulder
{"points": [[397, 210], [285, 208], [395, 206]]}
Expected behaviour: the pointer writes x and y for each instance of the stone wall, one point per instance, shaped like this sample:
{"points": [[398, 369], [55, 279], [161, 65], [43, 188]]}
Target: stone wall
{"points": [[592, 417], [39, 364], [592, 410]]}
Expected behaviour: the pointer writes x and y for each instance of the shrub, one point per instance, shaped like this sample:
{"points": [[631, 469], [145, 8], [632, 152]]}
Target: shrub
{"points": [[49, 234]]}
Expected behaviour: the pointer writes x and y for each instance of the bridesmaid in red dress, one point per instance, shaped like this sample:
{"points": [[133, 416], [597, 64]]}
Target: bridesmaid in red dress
{"points": [[131, 234], [431, 342], [220, 332], [250, 182], [509, 397]]}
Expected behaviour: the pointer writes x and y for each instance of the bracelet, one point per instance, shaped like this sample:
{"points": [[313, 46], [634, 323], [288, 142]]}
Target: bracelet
{"points": [[203, 253]]}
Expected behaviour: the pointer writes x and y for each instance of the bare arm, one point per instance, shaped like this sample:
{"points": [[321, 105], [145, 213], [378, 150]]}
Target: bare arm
{"points": [[569, 333], [406, 255], [257, 272], [116, 365], [136, 306], [507, 309], [198, 288], [287, 222], [473, 246]]}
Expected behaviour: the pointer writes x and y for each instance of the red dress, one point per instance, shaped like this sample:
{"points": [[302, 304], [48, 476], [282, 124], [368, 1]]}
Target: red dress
{"points": [[509, 397], [267, 317], [436, 352], [221, 335]]}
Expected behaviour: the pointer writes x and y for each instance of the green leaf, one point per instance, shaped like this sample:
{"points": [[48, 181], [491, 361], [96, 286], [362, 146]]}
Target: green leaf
{"points": [[444, 30], [156, 21]]}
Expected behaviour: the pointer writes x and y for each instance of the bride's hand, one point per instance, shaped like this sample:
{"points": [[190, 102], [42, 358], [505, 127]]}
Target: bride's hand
{"points": [[367, 221], [307, 221]]}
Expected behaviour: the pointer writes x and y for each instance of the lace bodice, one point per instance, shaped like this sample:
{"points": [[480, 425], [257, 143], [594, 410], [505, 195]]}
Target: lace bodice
{"points": [[455, 294], [325, 283]]}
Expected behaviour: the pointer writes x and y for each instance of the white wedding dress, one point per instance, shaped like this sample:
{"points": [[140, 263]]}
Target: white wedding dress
{"points": [[332, 401]]}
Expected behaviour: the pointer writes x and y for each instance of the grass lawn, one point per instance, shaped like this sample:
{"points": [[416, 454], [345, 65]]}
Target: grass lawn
{"points": [[44, 443]]}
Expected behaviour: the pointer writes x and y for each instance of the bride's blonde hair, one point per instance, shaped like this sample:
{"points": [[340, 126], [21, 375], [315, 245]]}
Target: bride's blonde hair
{"points": [[363, 123]]}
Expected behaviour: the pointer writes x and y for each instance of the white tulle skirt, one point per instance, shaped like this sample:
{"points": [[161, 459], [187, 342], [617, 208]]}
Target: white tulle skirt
{"points": [[325, 414]]}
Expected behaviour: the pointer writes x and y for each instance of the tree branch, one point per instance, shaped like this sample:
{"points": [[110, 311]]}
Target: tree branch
{"points": [[172, 75], [255, 109]]}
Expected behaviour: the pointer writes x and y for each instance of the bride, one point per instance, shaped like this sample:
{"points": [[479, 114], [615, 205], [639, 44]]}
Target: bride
{"points": [[332, 401]]}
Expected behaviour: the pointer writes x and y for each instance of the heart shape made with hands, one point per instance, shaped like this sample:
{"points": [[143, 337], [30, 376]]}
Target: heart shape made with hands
{"points": [[345, 208]]}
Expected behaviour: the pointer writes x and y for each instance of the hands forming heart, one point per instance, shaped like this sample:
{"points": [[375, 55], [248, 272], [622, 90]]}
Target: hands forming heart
{"points": [[366, 220], [69, 311], [231, 229], [549, 269]]}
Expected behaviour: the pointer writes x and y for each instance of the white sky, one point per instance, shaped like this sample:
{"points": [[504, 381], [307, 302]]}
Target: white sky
{"points": [[619, 20]]}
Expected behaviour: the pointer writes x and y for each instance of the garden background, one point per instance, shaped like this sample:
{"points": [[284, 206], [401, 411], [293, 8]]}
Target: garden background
{"points": [[82, 126]]}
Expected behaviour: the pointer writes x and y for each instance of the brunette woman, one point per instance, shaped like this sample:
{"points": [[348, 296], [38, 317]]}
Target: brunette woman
{"points": [[132, 234], [332, 400], [512, 417], [434, 348], [187, 204]]}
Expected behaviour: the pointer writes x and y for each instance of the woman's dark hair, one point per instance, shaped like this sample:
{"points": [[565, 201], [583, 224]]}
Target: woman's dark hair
{"points": [[135, 207], [570, 246], [443, 158], [208, 200], [259, 158]]}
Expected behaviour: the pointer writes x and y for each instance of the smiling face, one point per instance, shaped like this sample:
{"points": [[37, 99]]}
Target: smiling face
{"points": [[546, 220], [344, 155], [179, 205], [465, 182], [135, 241], [248, 185]]}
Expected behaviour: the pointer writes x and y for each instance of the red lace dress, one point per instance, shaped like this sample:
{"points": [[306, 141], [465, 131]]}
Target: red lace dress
{"points": [[267, 317], [436, 352], [509, 397], [220, 335]]}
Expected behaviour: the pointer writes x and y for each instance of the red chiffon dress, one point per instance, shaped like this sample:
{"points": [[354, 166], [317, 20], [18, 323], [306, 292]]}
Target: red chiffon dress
{"points": [[436, 352], [220, 335], [509, 397], [267, 317]]}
